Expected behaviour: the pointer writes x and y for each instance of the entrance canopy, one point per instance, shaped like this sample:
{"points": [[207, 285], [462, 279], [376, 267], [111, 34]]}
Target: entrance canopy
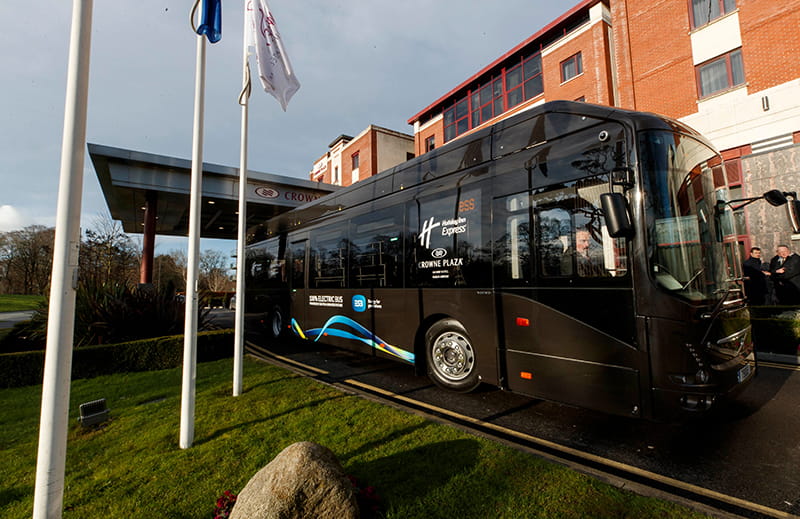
{"points": [[132, 181]]}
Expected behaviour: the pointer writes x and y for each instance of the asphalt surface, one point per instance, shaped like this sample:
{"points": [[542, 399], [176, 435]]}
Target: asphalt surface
{"points": [[9, 319], [748, 449]]}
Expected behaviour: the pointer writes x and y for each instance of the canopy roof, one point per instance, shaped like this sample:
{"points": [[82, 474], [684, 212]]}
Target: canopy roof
{"points": [[128, 177]]}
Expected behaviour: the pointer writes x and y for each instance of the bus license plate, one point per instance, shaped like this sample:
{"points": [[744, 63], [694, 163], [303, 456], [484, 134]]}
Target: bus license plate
{"points": [[744, 373]]}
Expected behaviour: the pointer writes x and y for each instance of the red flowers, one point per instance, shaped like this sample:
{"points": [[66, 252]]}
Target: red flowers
{"points": [[224, 505]]}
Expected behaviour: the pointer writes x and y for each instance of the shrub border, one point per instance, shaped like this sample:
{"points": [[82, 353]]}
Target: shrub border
{"points": [[27, 368]]}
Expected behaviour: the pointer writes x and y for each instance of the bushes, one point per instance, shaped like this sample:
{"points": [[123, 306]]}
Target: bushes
{"points": [[24, 369], [109, 314]]}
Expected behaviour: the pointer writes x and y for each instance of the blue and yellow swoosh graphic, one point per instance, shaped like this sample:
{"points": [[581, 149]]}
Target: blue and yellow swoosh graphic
{"points": [[337, 326]]}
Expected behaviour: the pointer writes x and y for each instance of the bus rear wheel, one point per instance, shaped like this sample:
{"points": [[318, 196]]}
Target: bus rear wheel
{"points": [[275, 323], [451, 357]]}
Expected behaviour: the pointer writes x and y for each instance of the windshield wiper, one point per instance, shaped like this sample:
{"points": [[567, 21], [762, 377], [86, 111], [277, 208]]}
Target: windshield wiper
{"points": [[684, 287]]}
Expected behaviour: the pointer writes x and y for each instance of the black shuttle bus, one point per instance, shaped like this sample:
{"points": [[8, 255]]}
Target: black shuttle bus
{"points": [[574, 253]]}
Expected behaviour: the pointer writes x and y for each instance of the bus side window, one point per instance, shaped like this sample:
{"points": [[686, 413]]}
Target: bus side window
{"points": [[298, 261], [553, 241], [512, 242], [376, 249], [328, 257]]}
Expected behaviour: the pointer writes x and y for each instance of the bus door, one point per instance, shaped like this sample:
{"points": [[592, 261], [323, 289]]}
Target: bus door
{"points": [[565, 300]]}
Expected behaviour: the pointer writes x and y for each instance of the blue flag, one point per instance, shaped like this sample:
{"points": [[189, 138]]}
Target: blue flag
{"points": [[211, 20]]}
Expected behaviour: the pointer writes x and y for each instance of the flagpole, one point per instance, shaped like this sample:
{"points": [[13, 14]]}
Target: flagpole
{"points": [[244, 100], [195, 202], [51, 459]]}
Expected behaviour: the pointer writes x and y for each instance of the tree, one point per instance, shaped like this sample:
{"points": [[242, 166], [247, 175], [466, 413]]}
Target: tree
{"points": [[214, 267], [169, 272], [26, 259], [108, 254]]}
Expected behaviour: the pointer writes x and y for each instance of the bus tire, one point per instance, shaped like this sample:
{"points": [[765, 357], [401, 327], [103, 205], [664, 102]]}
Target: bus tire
{"points": [[275, 323], [451, 357]]}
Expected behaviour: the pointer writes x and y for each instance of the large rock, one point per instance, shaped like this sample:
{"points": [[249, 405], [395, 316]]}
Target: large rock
{"points": [[304, 481]]}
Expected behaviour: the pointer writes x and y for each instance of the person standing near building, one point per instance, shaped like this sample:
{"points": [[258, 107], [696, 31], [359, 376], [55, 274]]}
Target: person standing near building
{"points": [[784, 270], [755, 281]]}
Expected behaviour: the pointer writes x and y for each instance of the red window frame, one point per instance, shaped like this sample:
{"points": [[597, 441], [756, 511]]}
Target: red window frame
{"points": [[723, 10], [731, 81]]}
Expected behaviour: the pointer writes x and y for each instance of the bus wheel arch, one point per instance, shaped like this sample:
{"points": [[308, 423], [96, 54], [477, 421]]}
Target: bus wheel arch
{"points": [[450, 356]]}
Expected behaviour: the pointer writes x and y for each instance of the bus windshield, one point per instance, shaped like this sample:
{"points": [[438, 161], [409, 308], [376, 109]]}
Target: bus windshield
{"points": [[692, 250]]}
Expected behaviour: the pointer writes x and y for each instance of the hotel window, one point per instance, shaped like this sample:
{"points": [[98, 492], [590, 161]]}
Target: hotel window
{"points": [[519, 83], [524, 81], [720, 74], [430, 143], [571, 67], [355, 160], [456, 120], [486, 102], [706, 11]]}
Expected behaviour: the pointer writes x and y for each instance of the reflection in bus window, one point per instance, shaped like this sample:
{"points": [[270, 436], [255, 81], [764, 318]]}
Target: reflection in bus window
{"points": [[571, 235], [298, 262], [448, 244], [328, 249], [553, 231], [512, 246], [375, 249]]}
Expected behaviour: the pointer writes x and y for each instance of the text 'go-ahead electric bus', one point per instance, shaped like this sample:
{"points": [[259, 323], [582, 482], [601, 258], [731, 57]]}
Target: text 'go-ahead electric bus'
{"points": [[575, 253]]}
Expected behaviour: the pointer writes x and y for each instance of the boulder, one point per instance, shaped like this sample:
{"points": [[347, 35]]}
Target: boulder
{"points": [[304, 481]]}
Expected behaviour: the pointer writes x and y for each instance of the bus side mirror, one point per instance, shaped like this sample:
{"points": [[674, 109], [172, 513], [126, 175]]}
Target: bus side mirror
{"points": [[775, 198], [617, 216], [793, 209]]}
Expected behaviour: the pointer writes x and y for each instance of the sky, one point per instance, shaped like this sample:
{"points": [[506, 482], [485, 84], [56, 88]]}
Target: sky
{"points": [[359, 62]]}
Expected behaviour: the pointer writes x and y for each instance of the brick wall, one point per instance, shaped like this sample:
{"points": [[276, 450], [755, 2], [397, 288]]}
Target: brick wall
{"points": [[436, 130], [593, 83], [364, 145], [662, 74], [770, 42]]}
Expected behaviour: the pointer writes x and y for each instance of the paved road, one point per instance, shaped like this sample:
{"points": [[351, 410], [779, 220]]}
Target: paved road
{"points": [[9, 319], [749, 449]]}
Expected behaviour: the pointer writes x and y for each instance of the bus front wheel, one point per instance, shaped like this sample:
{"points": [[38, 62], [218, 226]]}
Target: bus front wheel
{"points": [[451, 357]]}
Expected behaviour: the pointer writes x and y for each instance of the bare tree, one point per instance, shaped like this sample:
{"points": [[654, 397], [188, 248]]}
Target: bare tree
{"points": [[26, 258], [108, 254], [214, 271]]}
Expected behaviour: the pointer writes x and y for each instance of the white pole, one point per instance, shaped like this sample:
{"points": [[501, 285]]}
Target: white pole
{"points": [[238, 341], [193, 260], [51, 460]]}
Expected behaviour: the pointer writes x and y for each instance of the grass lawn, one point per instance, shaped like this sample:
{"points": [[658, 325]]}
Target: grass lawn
{"points": [[16, 303], [134, 468]]}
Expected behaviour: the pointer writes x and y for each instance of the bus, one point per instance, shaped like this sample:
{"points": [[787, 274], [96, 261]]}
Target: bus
{"points": [[574, 253]]}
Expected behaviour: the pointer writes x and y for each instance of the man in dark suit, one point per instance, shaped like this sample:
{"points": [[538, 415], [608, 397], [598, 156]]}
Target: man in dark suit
{"points": [[784, 270], [755, 282]]}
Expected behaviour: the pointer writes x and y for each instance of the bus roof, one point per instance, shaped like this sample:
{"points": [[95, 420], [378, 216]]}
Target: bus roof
{"points": [[465, 152]]}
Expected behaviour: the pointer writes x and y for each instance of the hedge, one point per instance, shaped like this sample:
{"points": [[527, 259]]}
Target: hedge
{"points": [[27, 368]]}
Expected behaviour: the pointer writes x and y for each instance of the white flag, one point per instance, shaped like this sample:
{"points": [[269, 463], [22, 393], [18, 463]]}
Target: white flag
{"points": [[274, 68]]}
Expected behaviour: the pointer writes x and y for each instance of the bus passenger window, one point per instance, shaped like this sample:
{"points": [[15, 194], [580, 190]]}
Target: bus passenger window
{"points": [[553, 240], [512, 246], [376, 248], [298, 262], [328, 252]]}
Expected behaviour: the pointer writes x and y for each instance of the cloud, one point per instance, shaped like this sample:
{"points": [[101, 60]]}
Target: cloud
{"points": [[11, 219]]}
